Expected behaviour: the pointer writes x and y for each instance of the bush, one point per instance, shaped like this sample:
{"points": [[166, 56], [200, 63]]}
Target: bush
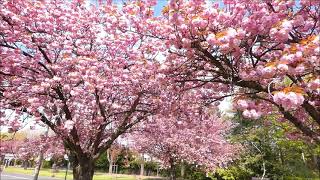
{"points": [[199, 176], [102, 163], [47, 164]]}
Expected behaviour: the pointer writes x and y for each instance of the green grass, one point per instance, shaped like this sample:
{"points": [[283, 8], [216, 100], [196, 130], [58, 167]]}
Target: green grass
{"points": [[61, 174]]}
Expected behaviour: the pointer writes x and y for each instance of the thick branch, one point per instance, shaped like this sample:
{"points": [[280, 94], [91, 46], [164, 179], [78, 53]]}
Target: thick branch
{"points": [[46, 57], [299, 124], [121, 129], [312, 111], [101, 126]]}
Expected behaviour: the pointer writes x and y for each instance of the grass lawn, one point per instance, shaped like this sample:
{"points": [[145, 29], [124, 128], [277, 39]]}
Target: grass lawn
{"points": [[61, 174]]}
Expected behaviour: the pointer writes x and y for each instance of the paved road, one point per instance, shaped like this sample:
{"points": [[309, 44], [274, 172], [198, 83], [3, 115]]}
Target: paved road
{"points": [[11, 176]]}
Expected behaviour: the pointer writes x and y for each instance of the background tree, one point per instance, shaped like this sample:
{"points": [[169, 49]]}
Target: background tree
{"points": [[273, 149], [197, 137], [112, 154]]}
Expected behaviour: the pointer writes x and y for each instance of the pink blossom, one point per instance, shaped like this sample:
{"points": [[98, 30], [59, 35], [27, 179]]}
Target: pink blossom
{"points": [[68, 124], [314, 84], [268, 72], [290, 100], [187, 140], [249, 75], [286, 25], [242, 104], [199, 22], [282, 67], [186, 43], [299, 69], [252, 114], [211, 39]]}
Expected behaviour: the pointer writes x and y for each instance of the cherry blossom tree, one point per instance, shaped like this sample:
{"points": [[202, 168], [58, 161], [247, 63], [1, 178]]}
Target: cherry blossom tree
{"points": [[264, 54], [190, 132], [112, 154], [90, 73], [200, 142], [8, 146], [29, 149], [75, 69]]}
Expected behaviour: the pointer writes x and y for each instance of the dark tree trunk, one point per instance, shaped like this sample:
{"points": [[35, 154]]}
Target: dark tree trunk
{"points": [[25, 164], [83, 168], [316, 160], [172, 170], [216, 175]]}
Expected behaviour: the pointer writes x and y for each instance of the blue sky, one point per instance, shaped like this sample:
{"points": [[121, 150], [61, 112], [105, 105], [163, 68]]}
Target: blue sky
{"points": [[159, 6]]}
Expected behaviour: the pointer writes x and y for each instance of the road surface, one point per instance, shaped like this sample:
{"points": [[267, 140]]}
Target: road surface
{"points": [[12, 176]]}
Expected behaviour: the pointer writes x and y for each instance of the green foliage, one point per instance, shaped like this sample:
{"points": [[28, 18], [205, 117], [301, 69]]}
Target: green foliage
{"points": [[198, 176], [47, 164], [59, 161], [265, 142], [235, 172], [151, 167], [134, 166], [102, 163], [124, 159], [192, 172]]}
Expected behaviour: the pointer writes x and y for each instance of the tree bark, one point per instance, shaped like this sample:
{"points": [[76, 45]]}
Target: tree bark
{"points": [[109, 156], [110, 167], [183, 169], [83, 169], [38, 167], [172, 170], [142, 169], [39, 163], [25, 164], [316, 160]]}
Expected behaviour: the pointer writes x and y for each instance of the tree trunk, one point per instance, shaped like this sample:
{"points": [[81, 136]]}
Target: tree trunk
{"points": [[83, 169], [318, 163], [38, 167], [110, 167], [183, 169], [142, 169], [172, 170], [109, 156], [25, 164], [316, 160]]}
